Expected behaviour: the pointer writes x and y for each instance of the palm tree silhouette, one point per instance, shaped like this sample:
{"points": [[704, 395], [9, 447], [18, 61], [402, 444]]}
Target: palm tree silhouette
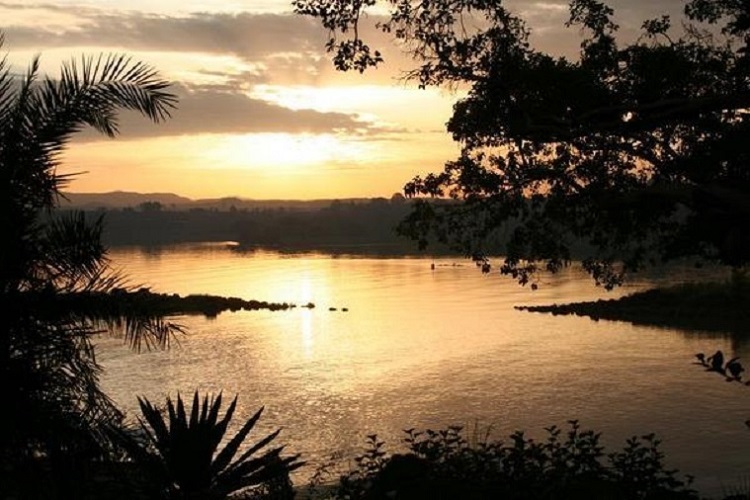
{"points": [[54, 407]]}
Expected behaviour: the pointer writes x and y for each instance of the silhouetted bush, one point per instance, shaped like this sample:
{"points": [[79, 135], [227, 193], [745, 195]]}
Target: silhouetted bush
{"points": [[572, 464], [179, 456]]}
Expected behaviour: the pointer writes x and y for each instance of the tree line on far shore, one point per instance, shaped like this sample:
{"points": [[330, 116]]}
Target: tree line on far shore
{"points": [[369, 226]]}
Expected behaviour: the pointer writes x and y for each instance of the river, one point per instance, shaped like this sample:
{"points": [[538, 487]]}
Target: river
{"points": [[426, 348]]}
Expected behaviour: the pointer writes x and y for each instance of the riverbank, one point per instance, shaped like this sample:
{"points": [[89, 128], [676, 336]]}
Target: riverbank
{"points": [[122, 302], [715, 307]]}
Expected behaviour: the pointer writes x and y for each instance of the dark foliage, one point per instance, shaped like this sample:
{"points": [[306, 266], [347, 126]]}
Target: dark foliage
{"points": [[53, 424], [638, 151], [180, 457], [151, 309], [716, 307], [572, 464], [364, 227]]}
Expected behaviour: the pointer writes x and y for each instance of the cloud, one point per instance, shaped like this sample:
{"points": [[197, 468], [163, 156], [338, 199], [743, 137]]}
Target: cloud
{"points": [[288, 47], [282, 48], [255, 36], [210, 109], [246, 35]]}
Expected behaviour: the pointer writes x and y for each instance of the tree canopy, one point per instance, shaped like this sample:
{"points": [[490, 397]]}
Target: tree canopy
{"points": [[632, 154]]}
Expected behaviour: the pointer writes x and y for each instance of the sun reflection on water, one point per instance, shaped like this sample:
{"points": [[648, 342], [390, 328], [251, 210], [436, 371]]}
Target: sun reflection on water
{"points": [[306, 329], [305, 290]]}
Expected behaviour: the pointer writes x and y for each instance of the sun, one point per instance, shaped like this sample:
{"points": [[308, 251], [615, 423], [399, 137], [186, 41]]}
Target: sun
{"points": [[287, 151]]}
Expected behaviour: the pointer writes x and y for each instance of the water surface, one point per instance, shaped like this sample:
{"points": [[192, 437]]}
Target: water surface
{"points": [[429, 348]]}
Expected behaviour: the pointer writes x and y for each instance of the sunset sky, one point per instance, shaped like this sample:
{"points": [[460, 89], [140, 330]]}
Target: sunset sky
{"points": [[262, 113]]}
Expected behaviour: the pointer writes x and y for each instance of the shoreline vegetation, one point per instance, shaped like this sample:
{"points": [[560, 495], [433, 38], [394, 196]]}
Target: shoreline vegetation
{"points": [[165, 304], [710, 307], [367, 227]]}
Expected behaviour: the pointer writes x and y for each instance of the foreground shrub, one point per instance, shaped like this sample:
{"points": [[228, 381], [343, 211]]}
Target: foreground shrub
{"points": [[572, 464], [179, 455]]}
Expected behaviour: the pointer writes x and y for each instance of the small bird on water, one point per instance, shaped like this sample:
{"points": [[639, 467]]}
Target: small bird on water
{"points": [[735, 369], [701, 358], [732, 370], [716, 362]]}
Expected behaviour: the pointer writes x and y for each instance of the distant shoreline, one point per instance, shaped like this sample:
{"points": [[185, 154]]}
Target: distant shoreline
{"points": [[339, 228], [118, 200]]}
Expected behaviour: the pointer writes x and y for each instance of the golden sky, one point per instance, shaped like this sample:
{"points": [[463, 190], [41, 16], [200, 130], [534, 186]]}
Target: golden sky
{"points": [[262, 113]]}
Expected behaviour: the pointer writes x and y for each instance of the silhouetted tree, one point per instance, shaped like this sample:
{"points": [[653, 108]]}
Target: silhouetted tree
{"points": [[631, 154], [150, 206], [54, 412]]}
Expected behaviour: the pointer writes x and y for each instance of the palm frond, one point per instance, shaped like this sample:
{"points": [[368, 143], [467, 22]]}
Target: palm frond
{"points": [[24, 164], [75, 257], [6, 83], [221, 426], [258, 446], [52, 365], [39, 118], [155, 422], [194, 411], [224, 458], [213, 414], [105, 311], [256, 471], [91, 92]]}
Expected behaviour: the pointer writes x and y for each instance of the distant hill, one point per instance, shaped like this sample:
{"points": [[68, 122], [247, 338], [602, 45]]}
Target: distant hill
{"points": [[224, 204], [120, 199], [170, 201]]}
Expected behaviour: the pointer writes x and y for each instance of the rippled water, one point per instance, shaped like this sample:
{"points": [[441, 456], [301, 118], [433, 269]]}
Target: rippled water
{"points": [[429, 348]]}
